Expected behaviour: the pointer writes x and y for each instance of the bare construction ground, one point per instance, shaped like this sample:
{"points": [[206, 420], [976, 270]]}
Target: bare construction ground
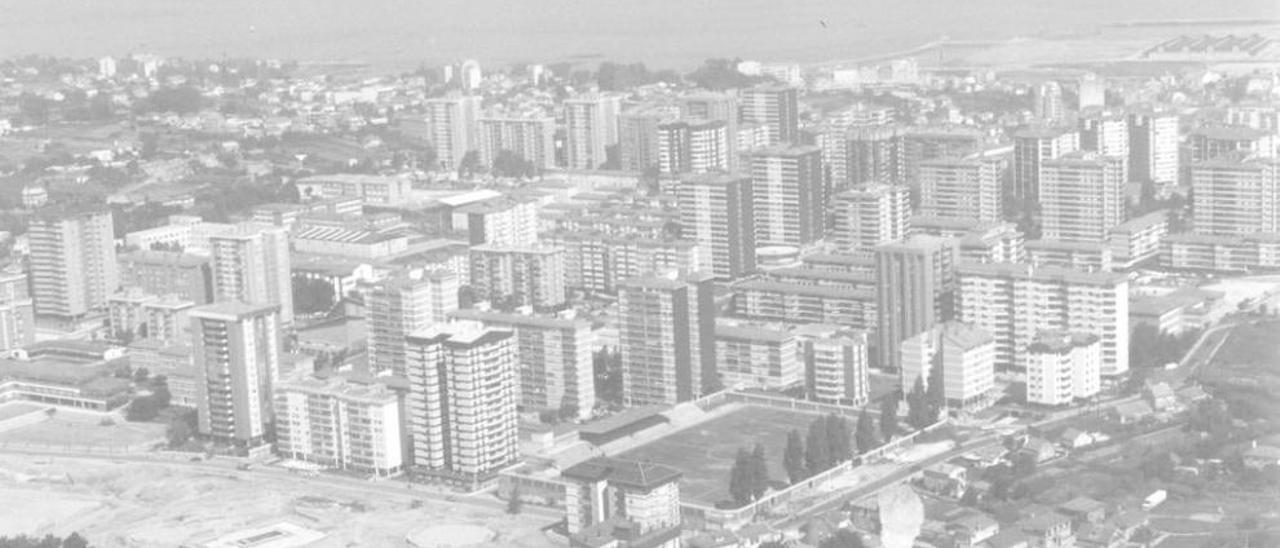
{"points": [[166, 504]]}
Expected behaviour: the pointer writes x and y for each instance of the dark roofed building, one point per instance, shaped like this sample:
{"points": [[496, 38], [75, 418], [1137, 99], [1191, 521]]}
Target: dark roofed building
{"points": [[622, 503]]}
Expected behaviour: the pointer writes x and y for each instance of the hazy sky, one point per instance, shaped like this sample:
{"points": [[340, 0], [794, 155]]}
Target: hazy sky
{"points": [[661, 32]]}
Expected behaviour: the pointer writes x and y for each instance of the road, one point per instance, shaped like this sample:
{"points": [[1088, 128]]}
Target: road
{"points": [[227, 468], [836, 500]]}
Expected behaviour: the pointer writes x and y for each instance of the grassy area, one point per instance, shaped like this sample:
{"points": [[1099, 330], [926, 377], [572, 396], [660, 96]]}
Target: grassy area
{"points": [[705, 452]]}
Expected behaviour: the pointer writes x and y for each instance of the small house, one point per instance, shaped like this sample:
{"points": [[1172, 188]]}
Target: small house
{"points": [[1133, 412], [1073, 438], [945, 479], [1083, 510]]}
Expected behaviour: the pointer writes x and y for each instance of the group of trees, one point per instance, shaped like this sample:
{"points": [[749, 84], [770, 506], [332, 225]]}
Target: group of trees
{"points": [[510, 164], [925, 404], [1149, 348], [147, 408], [749, 476], [721, 74], [625, 77], [827, 443], [74, 540], [607, 368]]}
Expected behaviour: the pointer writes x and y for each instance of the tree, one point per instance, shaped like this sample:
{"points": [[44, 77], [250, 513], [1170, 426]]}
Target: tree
{"points": [[793, 458], [74, 540], [889, 415], [937, 392], [865, 435], [289, 193], [817, 454], [312, 296], [839, 440], [509, 164], [469, 164], [740, 478], [180, 429], [515, 503], [759, 472], [917, 406]]}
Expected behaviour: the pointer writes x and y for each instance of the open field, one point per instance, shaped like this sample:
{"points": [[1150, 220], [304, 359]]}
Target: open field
{"points": [[705, 452], [159, 504], [74, 429]]}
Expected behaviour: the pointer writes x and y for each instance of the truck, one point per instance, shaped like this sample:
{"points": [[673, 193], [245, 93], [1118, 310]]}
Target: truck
{"points": [[1154, 499]]}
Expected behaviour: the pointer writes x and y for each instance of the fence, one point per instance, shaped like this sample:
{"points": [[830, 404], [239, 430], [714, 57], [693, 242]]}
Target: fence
{"points": [[81, 449], [732, 518]]}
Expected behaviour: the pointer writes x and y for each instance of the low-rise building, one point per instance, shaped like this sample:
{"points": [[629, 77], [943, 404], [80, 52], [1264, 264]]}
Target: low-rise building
{"points": [[340, 424], [613, 502], [757, 356]]}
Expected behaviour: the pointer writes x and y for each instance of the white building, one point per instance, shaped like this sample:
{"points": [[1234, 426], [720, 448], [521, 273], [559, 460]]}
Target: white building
{"points": [[757, 356], [1082, 195], [871, 214], [1014, 302], [502, 220], [591, 127], [554, 356], [403, 304], [236, 349], [370, 189], [835, 363], [1063, 367], [966, 354], [339, 424], [451, 122], [463, 391], [969, 187], [253, 265], [17, 313], [1236, 195], [790, 195]]}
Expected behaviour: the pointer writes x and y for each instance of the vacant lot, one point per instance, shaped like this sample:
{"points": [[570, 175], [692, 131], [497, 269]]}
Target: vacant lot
{"points": [[157, 504], [87, 431], [705, 452]]}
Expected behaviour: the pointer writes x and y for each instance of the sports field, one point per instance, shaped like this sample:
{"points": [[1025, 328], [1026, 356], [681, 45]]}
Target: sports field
{"points": [[704, 452]]}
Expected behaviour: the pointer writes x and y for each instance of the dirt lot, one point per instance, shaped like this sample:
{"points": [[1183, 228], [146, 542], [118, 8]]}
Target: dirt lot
{"points": [[117, 503]]}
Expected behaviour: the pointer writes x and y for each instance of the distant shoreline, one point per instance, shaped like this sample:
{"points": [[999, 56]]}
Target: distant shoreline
{"points": [[1194, 23]]}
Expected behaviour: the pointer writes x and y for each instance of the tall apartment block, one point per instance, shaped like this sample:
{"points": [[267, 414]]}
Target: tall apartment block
{"points": [[401, 305], [963, 188], [17, 313], [502, 220], [1153, 147], [596, 262], [339, 424], [774, 107], [188, 276], [915, 290], [1031, 148], [790, 195], [554, 359], [694, 146], [874, 155], [616, 502], [462, 398], [1236, 195], [236, 351], [453, 127], [530, 138], [721, 107], [1048, 106], [1063, 367], [518, 275], [835, 363], [966, 354], [591, 128], [1106, 133], [638, 135], [718, 213], [1082, 196], [870, 214], [72, 261], [253, 266], [1014, 302], [666, 338], [921, 144], [1209, 143]]}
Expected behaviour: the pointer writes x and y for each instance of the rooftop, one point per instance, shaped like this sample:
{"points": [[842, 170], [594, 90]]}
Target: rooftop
{"points": [[627, 473]]}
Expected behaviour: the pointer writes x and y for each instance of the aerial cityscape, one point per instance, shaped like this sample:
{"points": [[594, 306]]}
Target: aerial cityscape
{"points": [[910, 276]]}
